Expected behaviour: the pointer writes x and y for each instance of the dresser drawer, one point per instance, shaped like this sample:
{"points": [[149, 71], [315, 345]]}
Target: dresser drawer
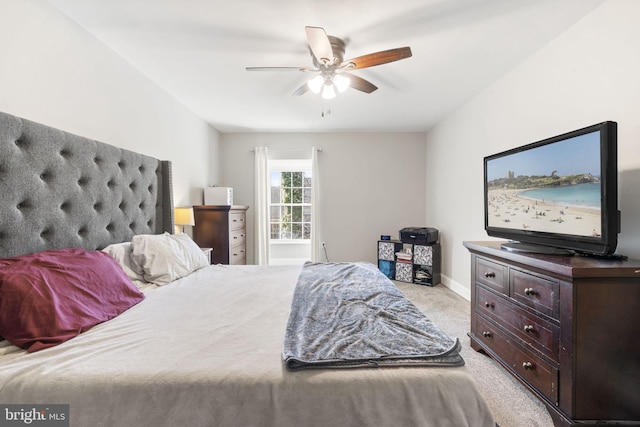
{"points": [[237, 255], [536, 292], [492, 274], [237, 237], [237, 220], [540, 374], [531, 329]]}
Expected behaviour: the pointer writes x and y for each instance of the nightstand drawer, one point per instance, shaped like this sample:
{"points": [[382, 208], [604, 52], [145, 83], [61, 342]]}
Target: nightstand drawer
{"points": [[531, 329], [536, 292], [492, 274], [537, 372]]}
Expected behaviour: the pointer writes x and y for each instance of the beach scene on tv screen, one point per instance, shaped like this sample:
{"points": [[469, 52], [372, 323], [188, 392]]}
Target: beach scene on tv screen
{"points": [[553, 188]]}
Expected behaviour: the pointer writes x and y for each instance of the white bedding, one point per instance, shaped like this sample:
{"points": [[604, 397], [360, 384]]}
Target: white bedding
{"points": [[206, 350]]}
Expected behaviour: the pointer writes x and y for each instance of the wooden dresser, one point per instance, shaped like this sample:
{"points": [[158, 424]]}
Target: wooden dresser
{"points": [[223, 228], [568, 327]]}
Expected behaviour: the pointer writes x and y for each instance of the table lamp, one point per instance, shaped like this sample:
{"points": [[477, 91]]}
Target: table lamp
{"points": [[183, 216]]}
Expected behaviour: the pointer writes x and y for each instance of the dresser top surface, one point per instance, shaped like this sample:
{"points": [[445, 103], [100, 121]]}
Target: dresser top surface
{"points": [[221, 207], [566, 265]]}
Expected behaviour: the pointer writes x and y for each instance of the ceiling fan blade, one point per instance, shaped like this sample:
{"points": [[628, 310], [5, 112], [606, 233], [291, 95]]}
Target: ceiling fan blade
{"points": [[301, 90], [377, 58], [280, 69], [360, 84], [319, 44]]}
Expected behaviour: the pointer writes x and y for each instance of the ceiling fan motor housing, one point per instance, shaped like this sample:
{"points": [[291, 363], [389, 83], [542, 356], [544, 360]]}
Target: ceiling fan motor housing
{"points": [[338, 48]]}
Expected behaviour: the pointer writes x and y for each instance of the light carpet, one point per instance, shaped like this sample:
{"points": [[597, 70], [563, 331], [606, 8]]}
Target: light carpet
{"points": [[511, 403]]}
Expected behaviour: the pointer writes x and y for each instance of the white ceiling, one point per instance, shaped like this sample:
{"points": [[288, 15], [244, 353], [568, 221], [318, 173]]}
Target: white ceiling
{"points": [[197, 51]]}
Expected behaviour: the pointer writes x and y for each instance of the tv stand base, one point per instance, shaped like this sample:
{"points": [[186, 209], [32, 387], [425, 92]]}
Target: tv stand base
{"points": [[535, 249]]}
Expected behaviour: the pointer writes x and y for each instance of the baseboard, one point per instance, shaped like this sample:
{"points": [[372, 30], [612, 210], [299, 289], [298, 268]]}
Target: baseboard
{"points": [[456, 287]]}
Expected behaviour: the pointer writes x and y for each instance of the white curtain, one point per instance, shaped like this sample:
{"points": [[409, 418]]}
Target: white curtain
{"points": [[316, 249], [261, 214]]}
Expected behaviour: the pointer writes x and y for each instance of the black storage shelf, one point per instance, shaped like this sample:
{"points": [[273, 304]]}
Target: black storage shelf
{"points": [[422, 268]]}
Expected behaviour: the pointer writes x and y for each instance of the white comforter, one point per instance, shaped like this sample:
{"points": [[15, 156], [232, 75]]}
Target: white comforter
{"points": [[206, 350]]}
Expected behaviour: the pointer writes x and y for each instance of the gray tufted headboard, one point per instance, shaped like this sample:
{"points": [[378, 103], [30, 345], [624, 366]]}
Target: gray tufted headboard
{"points": [[59, 190]]}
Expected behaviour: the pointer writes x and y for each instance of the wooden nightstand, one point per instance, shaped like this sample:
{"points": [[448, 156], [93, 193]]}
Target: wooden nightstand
{"points": [[207, 253]]}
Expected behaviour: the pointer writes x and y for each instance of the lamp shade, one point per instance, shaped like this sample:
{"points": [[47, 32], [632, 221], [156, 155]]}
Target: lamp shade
{"points": [[315, 84], [184, 216], [341, 82], [328, 92]]}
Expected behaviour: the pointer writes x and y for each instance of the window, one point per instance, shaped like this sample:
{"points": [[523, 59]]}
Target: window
{"points": [[290, 206]]}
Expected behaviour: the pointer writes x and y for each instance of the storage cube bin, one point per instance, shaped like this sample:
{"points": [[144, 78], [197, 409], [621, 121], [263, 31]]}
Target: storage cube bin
{"points": [[404, 272]]}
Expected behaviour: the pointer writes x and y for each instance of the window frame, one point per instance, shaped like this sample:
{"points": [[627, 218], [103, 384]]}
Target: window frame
{"points": [[289, 165]]}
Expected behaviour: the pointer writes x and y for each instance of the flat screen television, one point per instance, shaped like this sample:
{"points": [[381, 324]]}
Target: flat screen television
{"points": [[558, 195]]}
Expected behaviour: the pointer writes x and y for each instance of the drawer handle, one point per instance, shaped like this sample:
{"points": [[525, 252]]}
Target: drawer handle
{"points": [[527, 365], [486, 334], [530, 291], [529, 328], [489, 274], [488, 304]]}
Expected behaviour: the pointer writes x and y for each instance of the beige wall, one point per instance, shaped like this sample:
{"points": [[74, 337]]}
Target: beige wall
{"points": [[586, 75], [53, 72], [371, 184]]}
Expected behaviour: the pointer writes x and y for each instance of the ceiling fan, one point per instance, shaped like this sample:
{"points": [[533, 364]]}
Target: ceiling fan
{"points": [[327, 53]]}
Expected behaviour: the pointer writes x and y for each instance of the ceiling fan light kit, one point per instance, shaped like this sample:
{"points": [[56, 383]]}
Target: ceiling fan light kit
{"points": [[315, 84], [328, 92], [341, 82], [328, 86], [327, 54]]}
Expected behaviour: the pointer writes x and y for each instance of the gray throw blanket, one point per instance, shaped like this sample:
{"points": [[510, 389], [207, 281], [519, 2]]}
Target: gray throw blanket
{"points": [[348, 315]]}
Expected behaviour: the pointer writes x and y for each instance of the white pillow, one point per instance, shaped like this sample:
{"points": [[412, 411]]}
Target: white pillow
{"points": [[166, 257], [121, 252]]}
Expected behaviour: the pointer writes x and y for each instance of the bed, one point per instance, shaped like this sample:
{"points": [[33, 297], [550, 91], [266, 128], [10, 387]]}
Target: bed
{"points": [[203, 344]]}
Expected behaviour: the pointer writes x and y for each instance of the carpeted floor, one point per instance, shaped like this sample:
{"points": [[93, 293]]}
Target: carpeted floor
{"points": [[511, 403]]}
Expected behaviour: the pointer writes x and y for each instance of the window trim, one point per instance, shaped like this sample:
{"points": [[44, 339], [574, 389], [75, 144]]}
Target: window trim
{"points": [[286, 165]]}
